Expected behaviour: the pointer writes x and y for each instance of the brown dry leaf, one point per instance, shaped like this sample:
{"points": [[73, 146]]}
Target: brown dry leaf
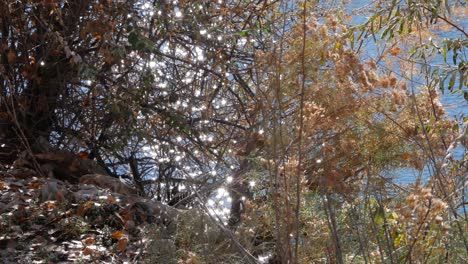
{"points": [[34, 185], [111, 199], [88, 205], [11, 56], [80, 210], [87, 251], [406, 156], [395, 51], [83, 155], [97, 36], [84, 207], [129, 225], [117, 235], [418, 164], [5, 116], [50, 156], [85, 103], [42, 103], [89, 240], [122, 244], [59, 196], [3, 46], [193, 259], [2, 185]]}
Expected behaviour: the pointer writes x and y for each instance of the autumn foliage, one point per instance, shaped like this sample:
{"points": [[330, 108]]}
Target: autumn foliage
{"points": [[232, 131]]}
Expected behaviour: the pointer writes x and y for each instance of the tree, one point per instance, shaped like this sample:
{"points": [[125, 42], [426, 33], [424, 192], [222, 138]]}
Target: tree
{"points": [[149, 90], [263, 117], [336, 126]]}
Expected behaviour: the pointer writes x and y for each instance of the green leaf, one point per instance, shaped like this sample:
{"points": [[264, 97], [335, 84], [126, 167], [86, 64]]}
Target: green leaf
{"points": [[139, 42], [444, 54], [402, 27], [379, 217], [452, 80], [244, 33], [114, 108], [133, 39], [455, 55]]}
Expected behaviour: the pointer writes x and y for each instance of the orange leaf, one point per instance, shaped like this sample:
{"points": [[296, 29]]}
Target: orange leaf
{"points": [[51, 204], [122, 244], [83, 155], [406, 156], [117, 235], [84, 207], [395, 51], [89, 240], [34, 185]]}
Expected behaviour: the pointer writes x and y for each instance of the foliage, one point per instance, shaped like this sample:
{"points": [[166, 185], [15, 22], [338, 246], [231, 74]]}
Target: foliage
{"points": [[241, 131]]}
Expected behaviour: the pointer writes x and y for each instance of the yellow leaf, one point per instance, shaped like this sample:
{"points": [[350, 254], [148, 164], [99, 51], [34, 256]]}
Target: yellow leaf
{"points": [[399, 240]]}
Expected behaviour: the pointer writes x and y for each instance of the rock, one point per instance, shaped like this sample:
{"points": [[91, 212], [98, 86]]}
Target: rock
{"points": [[22, 173], [86, 192], [53, 189], [108, 182]]}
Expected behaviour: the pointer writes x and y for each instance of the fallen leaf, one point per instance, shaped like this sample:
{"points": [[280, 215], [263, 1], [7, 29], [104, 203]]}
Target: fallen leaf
{"points": [[89, 240], [88, 205], [129, 225], [111, 199], [34, 185], [11, 56], [83, 155], [117, 235], [122, 244], [87, 251], [51, 204], [84, 207], [59, 196]]}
